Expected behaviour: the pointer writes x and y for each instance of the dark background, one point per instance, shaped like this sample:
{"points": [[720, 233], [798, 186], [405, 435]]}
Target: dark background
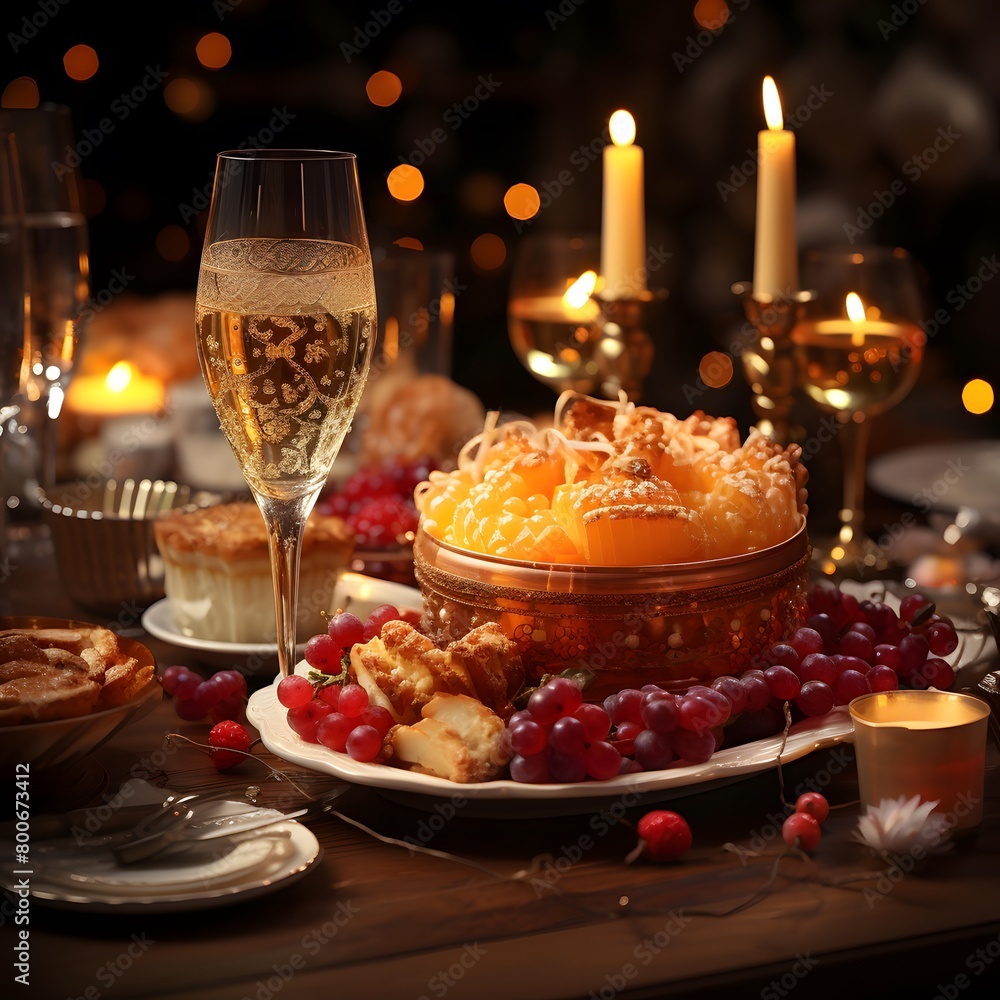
{"points": [[895, 74]]}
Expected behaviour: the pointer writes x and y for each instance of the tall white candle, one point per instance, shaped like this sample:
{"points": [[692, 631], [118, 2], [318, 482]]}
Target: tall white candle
{"points": [[623, 219], [776, 266]]}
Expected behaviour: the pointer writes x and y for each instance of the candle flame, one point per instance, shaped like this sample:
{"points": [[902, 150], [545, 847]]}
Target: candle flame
{"points": [[855, 308], [580, 291], [772, 105], [622, 128], [119, 377]]}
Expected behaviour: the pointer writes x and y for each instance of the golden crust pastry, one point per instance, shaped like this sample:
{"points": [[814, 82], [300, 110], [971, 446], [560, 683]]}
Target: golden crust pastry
{"points": [[236, 531], [402, 669], [457, 738], [49, 674]]}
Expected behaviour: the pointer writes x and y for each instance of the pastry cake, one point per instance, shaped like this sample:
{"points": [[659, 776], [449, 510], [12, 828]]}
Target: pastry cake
{"points": [[62, 673], [402, 670], [217, 571], [615, 484]]}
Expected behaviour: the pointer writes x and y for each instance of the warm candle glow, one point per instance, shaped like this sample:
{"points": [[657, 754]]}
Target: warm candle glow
{"points": [[772, 105], [623, 213], [122, 390], [119, 377], [622, 128], [776, 267], [855, 308], [580, 291]]}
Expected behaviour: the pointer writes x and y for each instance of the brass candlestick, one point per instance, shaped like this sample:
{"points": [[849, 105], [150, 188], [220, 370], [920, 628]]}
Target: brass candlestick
{"points": [[624, 353], [769, 360]]}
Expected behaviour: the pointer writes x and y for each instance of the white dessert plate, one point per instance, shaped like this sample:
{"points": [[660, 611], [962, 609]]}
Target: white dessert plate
{"points": [[961, 475], [510, 799], [205, 876], [356, 591]]}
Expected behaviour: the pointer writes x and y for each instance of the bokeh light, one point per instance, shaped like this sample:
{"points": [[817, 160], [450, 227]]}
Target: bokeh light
{"points": [[213, 50], [93, 196], [522, 201], [408, 243], [20, 93], [711, 14], [173, 243], [716, 369], [191, 99], [80, 62], [384, 88], [977, 396], [405, 182], [488, 251]]}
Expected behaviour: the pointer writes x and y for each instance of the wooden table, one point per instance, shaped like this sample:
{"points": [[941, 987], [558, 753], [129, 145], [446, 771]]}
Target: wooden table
{"points": [[375, 920]]}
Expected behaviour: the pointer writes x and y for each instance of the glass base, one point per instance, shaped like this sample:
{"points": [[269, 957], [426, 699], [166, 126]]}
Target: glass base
{"points": [[859, 559]]}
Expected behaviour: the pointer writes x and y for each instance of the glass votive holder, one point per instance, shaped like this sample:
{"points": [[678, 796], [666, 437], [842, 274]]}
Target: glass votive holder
{"points": [[926, 743]]}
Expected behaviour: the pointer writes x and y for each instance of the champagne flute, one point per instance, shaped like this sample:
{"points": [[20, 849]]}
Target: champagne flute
{"points": [[859, 348], [286, 326], [58, 252]]}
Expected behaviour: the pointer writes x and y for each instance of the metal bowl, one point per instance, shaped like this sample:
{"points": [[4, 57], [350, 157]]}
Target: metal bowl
{"points": [[673, 625], [102, 533]]}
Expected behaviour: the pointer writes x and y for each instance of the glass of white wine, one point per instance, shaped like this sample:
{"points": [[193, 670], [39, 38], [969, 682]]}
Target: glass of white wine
{"points": [[859, 350], [286, 325], [554, 324]]}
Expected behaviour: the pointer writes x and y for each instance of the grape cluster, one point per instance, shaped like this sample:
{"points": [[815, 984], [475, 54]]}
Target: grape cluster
{"points": [[223, 696], [326, 650], [560, 737], [377, 502], [338, 715], [845, 648]]}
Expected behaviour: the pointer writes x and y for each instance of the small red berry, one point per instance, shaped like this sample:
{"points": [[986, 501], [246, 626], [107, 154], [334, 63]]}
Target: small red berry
{"points": [[666, 835], [804, 828], [228, 737], [814, 804]]}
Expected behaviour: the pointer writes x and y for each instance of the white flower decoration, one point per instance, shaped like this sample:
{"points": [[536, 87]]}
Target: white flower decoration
{"points": [[904, 826]]}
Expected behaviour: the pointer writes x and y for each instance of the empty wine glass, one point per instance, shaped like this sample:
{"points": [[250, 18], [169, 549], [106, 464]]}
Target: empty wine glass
{"points": [[859, 347], [13, 290], [285, 327], [57, 247]]}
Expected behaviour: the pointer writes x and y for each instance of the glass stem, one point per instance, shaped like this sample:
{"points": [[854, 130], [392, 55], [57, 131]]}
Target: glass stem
{"points": [[285, 521], [854, 448]]}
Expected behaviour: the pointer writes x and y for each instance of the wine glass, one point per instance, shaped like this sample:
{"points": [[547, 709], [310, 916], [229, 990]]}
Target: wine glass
{"points": [[285, 312], [13, 290], [554, 325], [859, 350], [59, 272]]}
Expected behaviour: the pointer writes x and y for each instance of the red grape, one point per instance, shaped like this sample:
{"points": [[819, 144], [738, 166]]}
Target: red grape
{"points": [[353, 700], [528, 738], [346, 629], [850, 684], [882, 678], [595, 721], [294, 691], [815, 698], [784, 685], [817, 667], [601, 761], [333, 731], [942, 638], [364, 743], [568, 735], [323, 654], [807, 640], [653, 750]]}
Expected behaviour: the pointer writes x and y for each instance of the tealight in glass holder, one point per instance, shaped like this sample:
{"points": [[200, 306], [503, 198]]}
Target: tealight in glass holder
{"points": [[926, 743]]}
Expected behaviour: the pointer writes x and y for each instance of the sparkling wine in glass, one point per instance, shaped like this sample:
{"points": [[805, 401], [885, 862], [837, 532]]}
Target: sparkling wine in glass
{"points": [[58, 249], [286, 325], [860, 347], [554, 324]]}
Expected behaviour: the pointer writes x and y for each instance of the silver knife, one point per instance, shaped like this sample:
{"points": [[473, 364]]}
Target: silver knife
{"points": [[198, 831]]}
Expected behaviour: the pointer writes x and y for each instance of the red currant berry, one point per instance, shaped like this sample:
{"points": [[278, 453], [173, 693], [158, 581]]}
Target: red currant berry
{"points": [[815, 804], [228, 737], [804, 828], [666, 835]]}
